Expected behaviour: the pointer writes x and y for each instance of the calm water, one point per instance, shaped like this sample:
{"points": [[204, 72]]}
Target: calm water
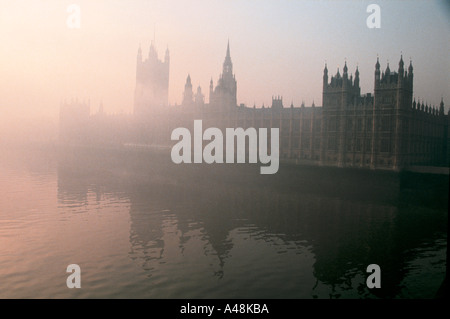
{"points": [[141, 227]]}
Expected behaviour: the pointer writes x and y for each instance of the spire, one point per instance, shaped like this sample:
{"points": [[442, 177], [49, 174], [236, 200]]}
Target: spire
{"points": [[345, 67], [152, 52], [377, 65], [167, 55], [400, 68], [227, 64], [188, 94], [139, 55], [325, 76]]}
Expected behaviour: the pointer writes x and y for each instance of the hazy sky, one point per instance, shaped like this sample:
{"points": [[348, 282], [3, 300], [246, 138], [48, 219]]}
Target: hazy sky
{"points": [[277, 48]]}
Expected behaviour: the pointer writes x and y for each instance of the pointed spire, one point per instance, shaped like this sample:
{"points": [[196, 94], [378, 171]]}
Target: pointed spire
{"points": [[410, 68], [325, 76], [441, 106], [152, 52], [227, 64]]}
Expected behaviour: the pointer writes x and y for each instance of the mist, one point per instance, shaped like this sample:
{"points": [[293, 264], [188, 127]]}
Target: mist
{"points": [[278, 48]]}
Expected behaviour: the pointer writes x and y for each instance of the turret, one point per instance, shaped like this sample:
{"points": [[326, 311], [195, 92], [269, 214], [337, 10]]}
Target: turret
{"points": [[152, 54], [441, 107], [167, 56], [356, 83], [377, 73], [211, 91], [401, 70], [325, 77], [345, 74], [410, 75], [188, 94], [199, 97], [388, 70]]}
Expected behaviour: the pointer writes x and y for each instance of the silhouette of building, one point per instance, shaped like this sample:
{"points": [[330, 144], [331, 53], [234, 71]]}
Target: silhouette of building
{"points": [[387, 129], [152, 83], [224, 95]]}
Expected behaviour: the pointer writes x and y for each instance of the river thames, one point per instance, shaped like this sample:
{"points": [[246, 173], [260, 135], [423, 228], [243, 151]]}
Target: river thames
{"points": [[140, 226]]}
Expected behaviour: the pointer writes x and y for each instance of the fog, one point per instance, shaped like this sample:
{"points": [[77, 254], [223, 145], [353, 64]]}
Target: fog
{"points": [[277, 48]]}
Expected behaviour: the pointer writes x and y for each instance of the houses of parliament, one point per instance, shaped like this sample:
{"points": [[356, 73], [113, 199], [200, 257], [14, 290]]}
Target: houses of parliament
{"points": [[384, 130]]}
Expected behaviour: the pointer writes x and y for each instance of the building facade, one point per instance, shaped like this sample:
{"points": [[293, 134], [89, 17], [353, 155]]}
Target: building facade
{"points": [[384, 130]]}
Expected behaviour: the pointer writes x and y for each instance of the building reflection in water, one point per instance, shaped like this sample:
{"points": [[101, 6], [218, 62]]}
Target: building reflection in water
{"points": [[346, 218]]}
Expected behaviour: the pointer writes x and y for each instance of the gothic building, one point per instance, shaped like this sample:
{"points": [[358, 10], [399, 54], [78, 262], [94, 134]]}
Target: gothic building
{"points": [[152, 83], [384, 130], [224, 95]]}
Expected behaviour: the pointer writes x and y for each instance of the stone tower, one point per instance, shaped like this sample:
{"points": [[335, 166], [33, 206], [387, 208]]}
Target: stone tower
{"points": [[152, 84], [224, 95], [339, 96], [391, 111]]}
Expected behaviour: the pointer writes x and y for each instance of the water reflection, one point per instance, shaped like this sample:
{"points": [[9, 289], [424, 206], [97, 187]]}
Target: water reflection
{"points": [[346, 219]]}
